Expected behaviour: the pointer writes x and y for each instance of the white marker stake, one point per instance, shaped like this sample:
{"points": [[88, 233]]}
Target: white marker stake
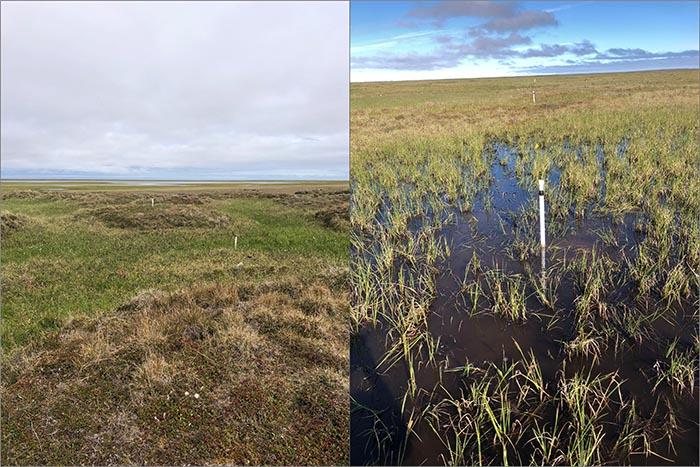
{"points": [[542, 240], [235, 243], [153, 202], [534, 101], [543, 264]]}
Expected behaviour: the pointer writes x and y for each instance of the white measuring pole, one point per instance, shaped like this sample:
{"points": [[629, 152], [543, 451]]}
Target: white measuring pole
{"points": [[153, 202], [534, 100], [235, 242], [543, 243]]}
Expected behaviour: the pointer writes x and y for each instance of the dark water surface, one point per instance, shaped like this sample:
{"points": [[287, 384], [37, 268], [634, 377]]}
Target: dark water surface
{"points": [[486, 231]]}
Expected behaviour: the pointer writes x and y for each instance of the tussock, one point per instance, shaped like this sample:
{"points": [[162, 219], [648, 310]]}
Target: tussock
{"points": [[139, 334], [145, 217], [215, 364], [336, 218], [11, 222]]}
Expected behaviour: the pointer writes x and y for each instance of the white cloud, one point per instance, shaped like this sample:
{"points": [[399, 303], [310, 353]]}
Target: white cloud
{"points": [[485, 69], [141, 88]]}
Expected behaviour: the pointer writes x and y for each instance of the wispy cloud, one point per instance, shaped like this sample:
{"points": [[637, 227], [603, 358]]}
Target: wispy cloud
{"points": [[448, 53], [495, 37], [690, 60], [638, 54], [568, 6], [504, 32], [392, 41]]}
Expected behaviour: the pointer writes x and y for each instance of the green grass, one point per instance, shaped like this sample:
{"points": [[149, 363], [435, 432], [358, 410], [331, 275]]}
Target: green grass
{"points": [[168, 186], [425, 155], [115, 313], [59, 266]]}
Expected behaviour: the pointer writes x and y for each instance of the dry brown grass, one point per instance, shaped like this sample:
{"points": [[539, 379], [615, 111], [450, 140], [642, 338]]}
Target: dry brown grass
{"points": [[154, 371], [382, 112], [229, 373], [145, 217], [9, 222], [130, 338]]}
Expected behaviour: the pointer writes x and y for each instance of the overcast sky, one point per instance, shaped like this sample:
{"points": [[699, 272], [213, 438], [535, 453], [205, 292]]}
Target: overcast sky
{"points": [[175, 90], [478, 38]]}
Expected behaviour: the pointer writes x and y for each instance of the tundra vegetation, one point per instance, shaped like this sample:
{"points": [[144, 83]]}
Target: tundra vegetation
{"points": [[207, 328], [464, 349]]}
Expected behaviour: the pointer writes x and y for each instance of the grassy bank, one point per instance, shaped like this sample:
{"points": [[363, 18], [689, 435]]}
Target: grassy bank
{"points": [[490, 358], [208, 327]]}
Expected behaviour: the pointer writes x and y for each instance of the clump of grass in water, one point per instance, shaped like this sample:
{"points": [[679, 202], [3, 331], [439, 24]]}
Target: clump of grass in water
{"points": [[677, 285], [639, 434], [480, 419], [593, 276], [507, 294], [501, 413], [679, 369], [545, 285], [585, 399], [470, 285], [448, 165]]}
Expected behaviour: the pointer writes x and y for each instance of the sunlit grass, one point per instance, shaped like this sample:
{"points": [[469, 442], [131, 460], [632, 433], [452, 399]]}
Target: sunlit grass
{"points": [[619, 156]]}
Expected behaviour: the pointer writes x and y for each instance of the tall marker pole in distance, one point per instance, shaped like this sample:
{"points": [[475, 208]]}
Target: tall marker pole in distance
{"points": [[543, 242]]}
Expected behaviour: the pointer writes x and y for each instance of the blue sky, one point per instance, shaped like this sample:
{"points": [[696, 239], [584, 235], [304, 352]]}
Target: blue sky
{"points": [[433, 40]]}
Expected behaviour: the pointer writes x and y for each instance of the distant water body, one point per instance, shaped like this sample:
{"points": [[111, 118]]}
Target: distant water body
{"points": [[73, 182]]}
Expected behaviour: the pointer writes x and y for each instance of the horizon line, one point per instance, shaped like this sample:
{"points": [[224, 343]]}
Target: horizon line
{"points": [[526, 75], [73, 179]]}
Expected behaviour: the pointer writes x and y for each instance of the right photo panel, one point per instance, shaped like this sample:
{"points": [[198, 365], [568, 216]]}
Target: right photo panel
{"points": [[525, 253]]}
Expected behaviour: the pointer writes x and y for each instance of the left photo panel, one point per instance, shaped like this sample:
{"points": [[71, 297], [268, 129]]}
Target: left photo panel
{"points": [[174, 233]]}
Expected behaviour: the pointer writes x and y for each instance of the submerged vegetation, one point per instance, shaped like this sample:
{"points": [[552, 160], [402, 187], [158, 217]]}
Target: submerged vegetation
{"points": [[468, 346], [205, 327]]}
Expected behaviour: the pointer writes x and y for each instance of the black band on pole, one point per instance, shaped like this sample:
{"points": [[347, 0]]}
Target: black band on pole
{"points": [[541, 192]]}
